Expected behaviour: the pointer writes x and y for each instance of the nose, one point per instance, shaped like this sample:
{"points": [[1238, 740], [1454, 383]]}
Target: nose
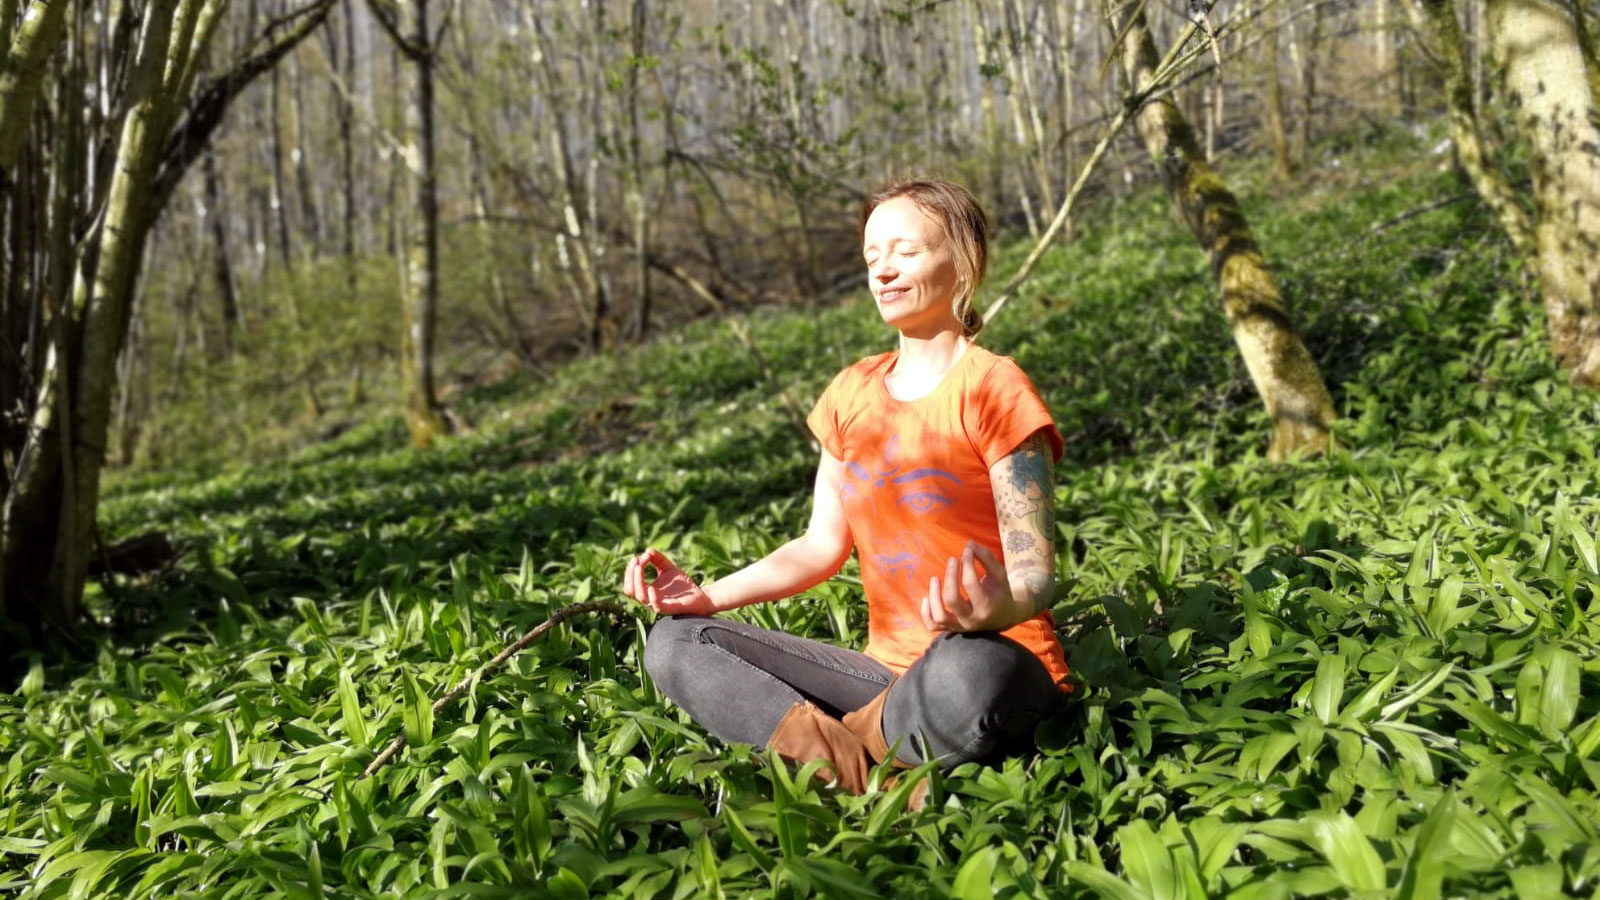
{"points": [[882, 271]]}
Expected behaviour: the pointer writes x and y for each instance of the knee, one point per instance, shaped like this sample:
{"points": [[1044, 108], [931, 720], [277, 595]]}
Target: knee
{"points": [[992, 670], [666, 648]]}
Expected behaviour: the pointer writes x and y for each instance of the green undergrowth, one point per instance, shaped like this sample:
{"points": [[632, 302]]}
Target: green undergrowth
{"points": [[1371, 674]]}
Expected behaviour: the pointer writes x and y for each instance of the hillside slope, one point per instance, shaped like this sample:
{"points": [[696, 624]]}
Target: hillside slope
{"points": [[1370, 674]]}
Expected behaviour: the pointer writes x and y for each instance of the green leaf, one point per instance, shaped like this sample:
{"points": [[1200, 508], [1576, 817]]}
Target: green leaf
{"points": [[1537, 881], [1368, 699], [1327, 687], [646, 804], [1147, 863], [417, 713], [33, 682], [975, 878], [1102, 882], [1215, 842], [1257, 635], [1558, 696], [1417, 691], [1340, 841], [355, 724], [744, 840], [1424, 874], [566, 885], [1417, 571]]}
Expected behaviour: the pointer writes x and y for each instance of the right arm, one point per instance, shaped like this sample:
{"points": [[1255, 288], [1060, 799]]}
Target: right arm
{"points": [[797, 566]]}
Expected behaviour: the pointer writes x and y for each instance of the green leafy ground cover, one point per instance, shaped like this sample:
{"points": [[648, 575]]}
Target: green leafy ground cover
{"points": [[1373, 674]]}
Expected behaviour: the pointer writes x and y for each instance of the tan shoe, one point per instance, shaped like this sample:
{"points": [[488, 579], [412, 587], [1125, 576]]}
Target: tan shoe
{"points": [[806, 733], [867, 724]]}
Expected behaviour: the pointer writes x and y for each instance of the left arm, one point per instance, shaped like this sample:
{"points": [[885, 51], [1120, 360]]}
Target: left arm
{"points": [[1009, 593]]}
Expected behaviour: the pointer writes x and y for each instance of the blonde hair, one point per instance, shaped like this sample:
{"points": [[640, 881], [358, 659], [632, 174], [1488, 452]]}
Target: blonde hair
{"points": [[965, 226]]}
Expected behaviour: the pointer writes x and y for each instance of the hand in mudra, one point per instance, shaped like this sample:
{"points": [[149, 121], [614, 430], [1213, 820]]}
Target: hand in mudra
{"points": [[988, 604], [670, 593]]}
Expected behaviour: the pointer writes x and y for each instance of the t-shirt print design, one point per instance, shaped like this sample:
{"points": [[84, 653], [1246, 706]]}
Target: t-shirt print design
{"points": [[920, 491]]}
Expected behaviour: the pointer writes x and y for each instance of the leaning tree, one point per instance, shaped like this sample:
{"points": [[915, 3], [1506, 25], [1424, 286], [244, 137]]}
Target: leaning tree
{"points": [[1284, 373]]}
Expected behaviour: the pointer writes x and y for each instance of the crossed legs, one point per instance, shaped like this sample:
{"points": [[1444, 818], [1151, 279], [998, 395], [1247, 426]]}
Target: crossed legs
{"points": [[971, 696]]}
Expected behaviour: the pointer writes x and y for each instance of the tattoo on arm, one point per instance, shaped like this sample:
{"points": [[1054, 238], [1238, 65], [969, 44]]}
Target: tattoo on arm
{"points": [[1024, 495]]}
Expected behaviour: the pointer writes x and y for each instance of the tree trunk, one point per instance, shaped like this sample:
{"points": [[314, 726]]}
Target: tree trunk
{"points": [[222, 262], [1384, 74], [1537, 45], [1490, 184], [573, 242], [50, 512], [638, 196], [425, 416], [347, 161], [22, 73], [1284, 373], [109, 176], [280, 198]]}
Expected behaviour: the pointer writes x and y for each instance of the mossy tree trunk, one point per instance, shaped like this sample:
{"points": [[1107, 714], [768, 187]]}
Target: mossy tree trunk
{"points": [[1282, 369], [1440, 18], [50, 511], [1537, 45]]}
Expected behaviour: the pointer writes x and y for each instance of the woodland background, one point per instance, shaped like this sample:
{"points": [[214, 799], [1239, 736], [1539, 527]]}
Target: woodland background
{"points": [[341, 342]]}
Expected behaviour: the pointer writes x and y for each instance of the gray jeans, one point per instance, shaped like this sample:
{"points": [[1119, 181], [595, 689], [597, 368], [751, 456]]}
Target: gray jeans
{"points": [[973, 696]]}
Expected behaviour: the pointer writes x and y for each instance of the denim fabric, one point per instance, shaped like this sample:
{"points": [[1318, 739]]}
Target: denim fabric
{"points": [[971, 696]]}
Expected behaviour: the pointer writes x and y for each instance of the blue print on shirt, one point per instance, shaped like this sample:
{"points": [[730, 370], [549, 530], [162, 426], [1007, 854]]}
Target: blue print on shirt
{"points": [[921, 491]]}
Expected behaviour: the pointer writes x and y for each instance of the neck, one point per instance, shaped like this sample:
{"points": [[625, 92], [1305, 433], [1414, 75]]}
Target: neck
{"points": [[931, 354]]}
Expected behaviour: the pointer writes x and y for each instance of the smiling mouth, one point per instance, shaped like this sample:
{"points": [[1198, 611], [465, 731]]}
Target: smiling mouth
{"points": [[889, 294]]}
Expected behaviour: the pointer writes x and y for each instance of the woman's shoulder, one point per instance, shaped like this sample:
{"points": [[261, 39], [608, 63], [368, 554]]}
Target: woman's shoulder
{"points": [[863, 369], [987, 364]]}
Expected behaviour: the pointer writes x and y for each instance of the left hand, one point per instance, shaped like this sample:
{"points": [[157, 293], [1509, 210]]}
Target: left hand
{"points": [[988, 604]]}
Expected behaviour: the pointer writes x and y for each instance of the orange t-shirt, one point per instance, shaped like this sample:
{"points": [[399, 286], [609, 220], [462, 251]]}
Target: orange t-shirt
{"points": [[916, 486]]}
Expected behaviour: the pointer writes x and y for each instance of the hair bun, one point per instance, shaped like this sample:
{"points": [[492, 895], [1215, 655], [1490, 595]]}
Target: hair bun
{"points": [[972, 322]]}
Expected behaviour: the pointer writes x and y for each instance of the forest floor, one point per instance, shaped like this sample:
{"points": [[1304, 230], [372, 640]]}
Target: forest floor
{"points": [[1371, 674]]}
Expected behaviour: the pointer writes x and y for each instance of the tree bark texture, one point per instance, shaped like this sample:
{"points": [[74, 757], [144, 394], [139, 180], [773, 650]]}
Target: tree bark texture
{"points": [[1489, 182], [1537, 46], [1282, 369], [50, 512], [22, 73]]}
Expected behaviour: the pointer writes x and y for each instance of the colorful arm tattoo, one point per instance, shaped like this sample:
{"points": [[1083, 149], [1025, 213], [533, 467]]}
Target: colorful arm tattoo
{"points": [[1024, 501]]}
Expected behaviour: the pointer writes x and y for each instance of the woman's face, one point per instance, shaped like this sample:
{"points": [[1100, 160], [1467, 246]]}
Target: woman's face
{"points": [[910, 268]]}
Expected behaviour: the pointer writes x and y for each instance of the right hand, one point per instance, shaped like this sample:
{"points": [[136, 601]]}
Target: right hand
{"points": [[672, 593]]}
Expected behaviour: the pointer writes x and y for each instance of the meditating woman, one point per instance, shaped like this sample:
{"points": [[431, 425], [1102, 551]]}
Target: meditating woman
{"points": [[936, 470]]}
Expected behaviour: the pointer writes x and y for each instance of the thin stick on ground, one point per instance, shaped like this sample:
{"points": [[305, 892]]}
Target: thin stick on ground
{"points": [[538, 631]]}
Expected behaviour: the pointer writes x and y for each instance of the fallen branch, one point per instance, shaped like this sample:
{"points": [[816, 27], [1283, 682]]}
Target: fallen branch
{"points": [[538, 631]]}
